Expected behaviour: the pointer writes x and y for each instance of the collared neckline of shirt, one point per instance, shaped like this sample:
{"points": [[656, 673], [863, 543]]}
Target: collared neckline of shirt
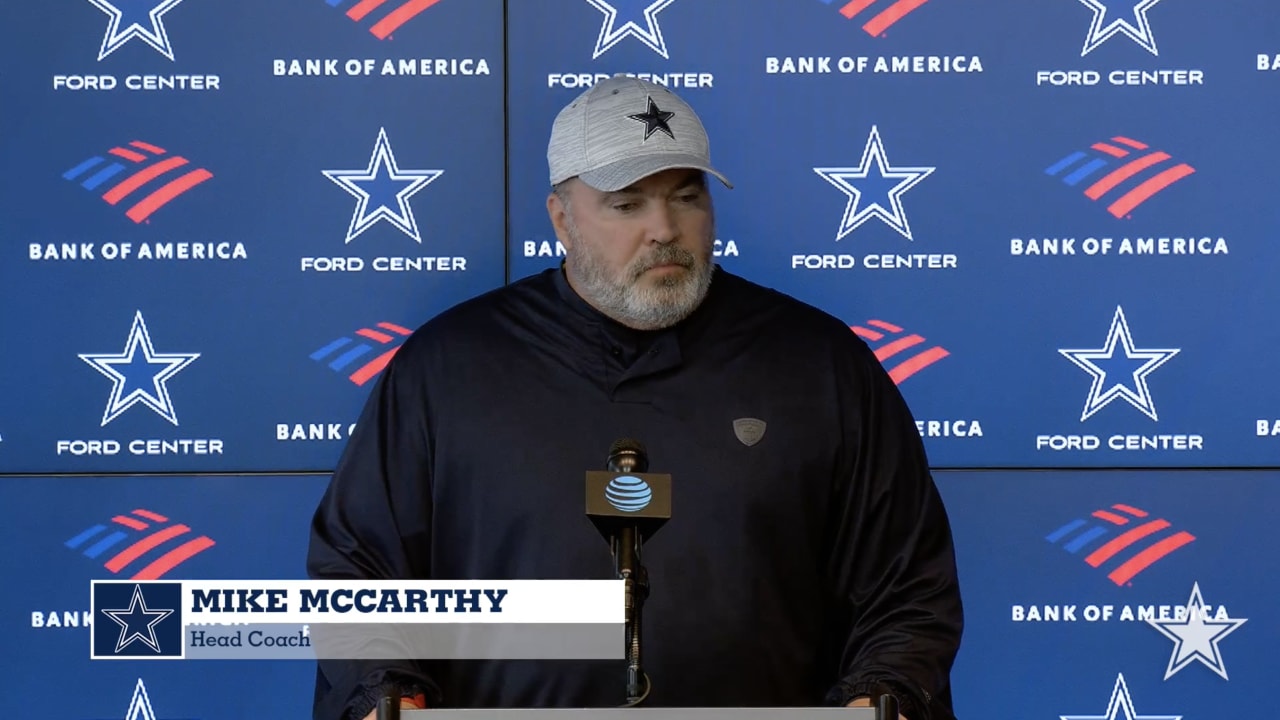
{"points": [[632, 354]]}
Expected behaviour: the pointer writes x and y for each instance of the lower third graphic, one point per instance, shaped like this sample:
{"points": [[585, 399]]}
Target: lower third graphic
{"points": [[1125, 548], [882, 17], [1084, 165], [136, 620], [389, 335], [895, 343], [151, 163]]}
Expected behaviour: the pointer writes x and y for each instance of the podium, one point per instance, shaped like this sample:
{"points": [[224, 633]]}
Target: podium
{"points": [[824, 713]]}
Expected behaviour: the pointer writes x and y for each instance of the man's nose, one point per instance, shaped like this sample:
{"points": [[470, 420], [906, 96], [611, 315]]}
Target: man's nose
{"points": [[662, 227]]}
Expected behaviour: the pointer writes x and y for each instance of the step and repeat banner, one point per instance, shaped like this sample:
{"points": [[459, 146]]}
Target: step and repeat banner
{"points": [[1051, 220], [221, 221]]}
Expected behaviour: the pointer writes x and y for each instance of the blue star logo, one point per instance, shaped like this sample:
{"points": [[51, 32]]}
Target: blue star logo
{"points": [[635, 13], [1120, 707], [140, 704], [386, 188], [141, 19], [1121, 375], [137, 622], [878, 190], [1104, 25], [140, 374], [1196, 636]]}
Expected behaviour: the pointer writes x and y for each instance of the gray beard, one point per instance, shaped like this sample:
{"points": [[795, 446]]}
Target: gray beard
{"points": [[648, 307]]}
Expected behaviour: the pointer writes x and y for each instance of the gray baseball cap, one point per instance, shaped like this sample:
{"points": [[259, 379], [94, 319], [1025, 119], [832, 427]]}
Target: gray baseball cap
{"points": [[623, 129]]}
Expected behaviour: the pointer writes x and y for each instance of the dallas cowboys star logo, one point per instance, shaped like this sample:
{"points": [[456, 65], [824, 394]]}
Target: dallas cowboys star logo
{"points": [[881, 183], [140, 705], [385, 187], [1103, 26], [646, 11], [654, 119], [145, 22], [139, 378], [1119, 377], [1120, 707], [1196, 637], [134, 623]]}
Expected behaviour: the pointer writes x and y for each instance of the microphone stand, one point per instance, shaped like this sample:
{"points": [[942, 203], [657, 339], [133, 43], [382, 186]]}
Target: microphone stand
{"points": [[627, 566]]}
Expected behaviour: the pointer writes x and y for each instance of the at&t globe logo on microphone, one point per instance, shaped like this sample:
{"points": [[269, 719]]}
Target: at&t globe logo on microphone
{"points": [[628, 493]]}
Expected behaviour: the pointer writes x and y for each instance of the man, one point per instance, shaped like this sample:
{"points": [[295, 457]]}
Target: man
{"points": [[806, 563]]}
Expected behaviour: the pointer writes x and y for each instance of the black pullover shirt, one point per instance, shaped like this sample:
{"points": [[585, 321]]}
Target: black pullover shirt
{"points": [[798, 571]]}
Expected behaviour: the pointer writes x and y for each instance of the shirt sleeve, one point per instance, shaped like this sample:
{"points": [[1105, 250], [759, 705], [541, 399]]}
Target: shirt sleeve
{"points": [[892, 560], [374, 522]]}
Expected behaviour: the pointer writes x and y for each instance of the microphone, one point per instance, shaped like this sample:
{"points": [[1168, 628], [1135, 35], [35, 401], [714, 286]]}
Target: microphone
{"points": [[625, 496], [627, 455], [628, 505]]}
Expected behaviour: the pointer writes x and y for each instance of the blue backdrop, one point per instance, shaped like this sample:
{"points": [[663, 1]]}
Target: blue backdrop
{"points": [[1052, 220]]}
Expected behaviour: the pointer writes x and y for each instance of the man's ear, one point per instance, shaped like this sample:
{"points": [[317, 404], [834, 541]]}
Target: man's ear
{"points": [[559, 219]]}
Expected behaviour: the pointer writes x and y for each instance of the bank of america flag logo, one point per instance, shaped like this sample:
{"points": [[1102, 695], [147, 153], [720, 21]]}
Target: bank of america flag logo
{"points": [[141, 544], [139, 177], [1121, 539], [1122, 172], [365, 353], [876, 16], [901, 353], [386, 15]]}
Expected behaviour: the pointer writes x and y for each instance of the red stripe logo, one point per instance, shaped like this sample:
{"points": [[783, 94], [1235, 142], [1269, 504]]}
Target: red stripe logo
{"points": [[142, 178], [877, 16], [144, 544], [1122, 172], [902, 354], [1127, 540], [391, 14], [362, 361]]}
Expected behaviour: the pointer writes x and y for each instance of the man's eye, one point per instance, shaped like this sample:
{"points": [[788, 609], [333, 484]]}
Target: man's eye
{"points": [[624, 207]]}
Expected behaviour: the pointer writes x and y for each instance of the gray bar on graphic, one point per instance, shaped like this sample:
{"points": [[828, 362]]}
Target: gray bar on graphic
{"points": [[469, 641], [414, 641], [268, 641]]}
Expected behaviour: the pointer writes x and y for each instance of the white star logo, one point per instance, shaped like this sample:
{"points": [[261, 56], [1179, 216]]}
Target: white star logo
{"points": [[1104, 391], [149, 381], [1196, 636], [611, 33], [373, 176], [1102, 29], [140, 705], [129, 627], [153, 34], [873, 158], [1120, 707]]}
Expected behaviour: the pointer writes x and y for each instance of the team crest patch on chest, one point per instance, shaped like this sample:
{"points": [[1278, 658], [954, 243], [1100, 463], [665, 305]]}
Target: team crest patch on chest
{"points": [[748, 430]]}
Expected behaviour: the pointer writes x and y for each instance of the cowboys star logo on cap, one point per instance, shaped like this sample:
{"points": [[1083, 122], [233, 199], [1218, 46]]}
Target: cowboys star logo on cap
{"points": [[654, 119], [595, 139]]}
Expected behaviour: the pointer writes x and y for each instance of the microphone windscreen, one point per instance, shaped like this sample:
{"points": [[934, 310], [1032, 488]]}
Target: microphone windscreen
{"points": [[626, 445]]}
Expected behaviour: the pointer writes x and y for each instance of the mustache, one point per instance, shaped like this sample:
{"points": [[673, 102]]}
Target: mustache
{"points": [[665, 255]]}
